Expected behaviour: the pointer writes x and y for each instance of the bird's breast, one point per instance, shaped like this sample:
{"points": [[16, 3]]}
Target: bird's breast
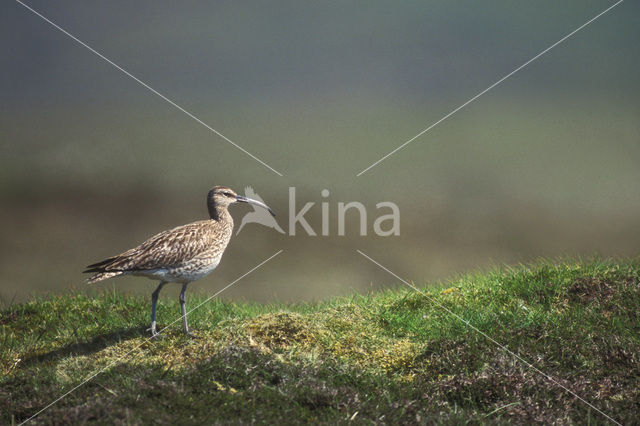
{"points": [[193, 270]]}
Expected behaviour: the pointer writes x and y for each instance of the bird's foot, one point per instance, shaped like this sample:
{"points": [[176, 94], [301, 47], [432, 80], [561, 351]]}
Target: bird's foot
{"points": [[190, 334], [154, 333]]}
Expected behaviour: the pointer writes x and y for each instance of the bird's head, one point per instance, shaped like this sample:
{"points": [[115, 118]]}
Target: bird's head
{"points": [[222, 196]]}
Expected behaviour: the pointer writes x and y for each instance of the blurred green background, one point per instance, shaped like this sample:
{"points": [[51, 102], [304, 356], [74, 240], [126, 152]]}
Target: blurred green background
{"points": [[92, 163]]}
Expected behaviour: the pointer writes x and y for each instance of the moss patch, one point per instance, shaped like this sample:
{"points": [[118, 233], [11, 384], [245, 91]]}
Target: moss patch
{"points": [[281, 330]]}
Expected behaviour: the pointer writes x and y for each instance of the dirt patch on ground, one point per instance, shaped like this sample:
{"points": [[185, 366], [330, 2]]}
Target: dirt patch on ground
{"points": [[587, 289]]}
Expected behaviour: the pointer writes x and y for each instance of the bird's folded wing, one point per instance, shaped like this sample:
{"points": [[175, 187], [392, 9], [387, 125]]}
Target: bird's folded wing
{"points": [[171, 248]]}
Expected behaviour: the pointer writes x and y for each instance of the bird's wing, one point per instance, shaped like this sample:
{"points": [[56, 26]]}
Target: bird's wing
{"points": [[167, 249]]}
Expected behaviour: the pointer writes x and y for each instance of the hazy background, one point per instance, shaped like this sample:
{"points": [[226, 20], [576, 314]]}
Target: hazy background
{"points": [[91, 163]]}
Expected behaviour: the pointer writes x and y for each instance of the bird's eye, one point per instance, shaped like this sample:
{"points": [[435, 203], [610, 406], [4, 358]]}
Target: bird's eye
{"points": [[228, 194]]}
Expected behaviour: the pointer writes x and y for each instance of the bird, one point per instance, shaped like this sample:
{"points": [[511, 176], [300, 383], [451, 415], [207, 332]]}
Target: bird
{"points": [[257, 216], [180, 255]]}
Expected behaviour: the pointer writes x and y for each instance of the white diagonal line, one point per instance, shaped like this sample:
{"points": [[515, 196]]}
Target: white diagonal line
{"points": [[491, 339], [490, 87], [145, 85], [147, 340]]}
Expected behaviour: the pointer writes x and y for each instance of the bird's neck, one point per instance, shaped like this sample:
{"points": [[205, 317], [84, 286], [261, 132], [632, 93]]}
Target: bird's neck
{"points": [[219, 213]]}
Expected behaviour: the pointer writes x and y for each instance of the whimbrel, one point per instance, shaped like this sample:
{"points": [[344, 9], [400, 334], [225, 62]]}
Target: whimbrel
{"points": [[180, 255]]}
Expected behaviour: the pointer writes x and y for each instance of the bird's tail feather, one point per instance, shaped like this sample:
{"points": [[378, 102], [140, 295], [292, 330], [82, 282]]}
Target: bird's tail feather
{"points": [[99, 266], [101, 270], [102, 276]]}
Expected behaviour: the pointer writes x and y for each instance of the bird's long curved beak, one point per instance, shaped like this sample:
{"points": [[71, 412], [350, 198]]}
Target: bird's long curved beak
{"points": [[242, 199]]}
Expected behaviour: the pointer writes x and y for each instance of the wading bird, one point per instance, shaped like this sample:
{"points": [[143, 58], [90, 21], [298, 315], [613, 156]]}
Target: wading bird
{"points": [[180, 255]]}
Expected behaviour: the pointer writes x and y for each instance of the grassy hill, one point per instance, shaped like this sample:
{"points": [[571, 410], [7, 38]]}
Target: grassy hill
{"points": [[391, 357]]}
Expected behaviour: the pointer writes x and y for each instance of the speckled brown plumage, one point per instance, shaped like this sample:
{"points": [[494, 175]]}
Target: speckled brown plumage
{"points": [[180, 255], [178, 249]]}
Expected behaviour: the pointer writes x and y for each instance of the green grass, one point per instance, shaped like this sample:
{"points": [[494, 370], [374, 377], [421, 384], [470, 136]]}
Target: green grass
{"points": [[389, 356]]}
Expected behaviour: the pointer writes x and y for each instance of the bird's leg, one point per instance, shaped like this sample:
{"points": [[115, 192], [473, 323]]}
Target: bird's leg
{"points": [[154, 303], [183, 308]]}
